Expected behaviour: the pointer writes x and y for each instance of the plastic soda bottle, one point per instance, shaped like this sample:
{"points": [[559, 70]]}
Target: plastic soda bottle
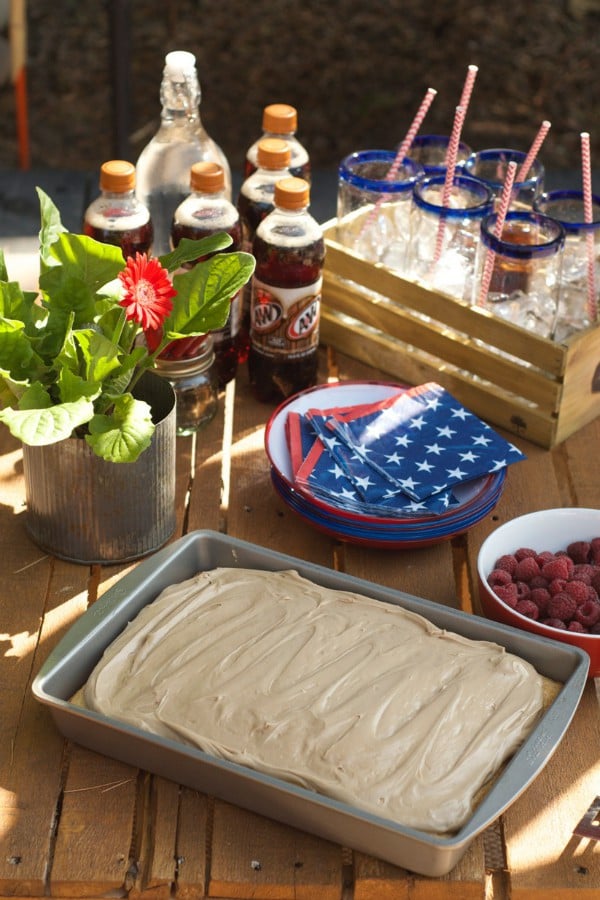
{"points": [[204, 212], [286, 296], [281, 121], [117, 216], [255, 201], [163, 167]]}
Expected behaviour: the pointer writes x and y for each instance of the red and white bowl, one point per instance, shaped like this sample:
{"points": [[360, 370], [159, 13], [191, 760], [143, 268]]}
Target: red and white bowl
{"points": [[547, 529]]}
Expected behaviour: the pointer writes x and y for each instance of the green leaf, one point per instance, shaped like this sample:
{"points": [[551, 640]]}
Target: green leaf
{"points": [[50, 229], [17, 357], [190, 251], [87, 260], [100, 355], [123, 436], [3, 271], [72, 387], [38, 421], [204, 294]]}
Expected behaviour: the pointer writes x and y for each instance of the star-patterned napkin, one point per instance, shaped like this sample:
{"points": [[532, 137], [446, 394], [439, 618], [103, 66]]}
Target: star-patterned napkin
{"points": [[396, 457]]}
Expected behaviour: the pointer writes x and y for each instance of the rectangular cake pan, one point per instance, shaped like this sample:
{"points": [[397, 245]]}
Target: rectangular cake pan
{"points": [[70, 664]]}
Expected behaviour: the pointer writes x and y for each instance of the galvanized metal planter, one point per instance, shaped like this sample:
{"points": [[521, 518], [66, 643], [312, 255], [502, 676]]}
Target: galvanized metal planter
{"points": [[87, 510]]}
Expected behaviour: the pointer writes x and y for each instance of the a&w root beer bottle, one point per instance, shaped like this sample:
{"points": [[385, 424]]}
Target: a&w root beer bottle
{"points": [[286, 296]]}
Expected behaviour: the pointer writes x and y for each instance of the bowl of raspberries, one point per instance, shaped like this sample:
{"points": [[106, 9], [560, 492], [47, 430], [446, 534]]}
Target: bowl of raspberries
{"points": [[541, 572]]}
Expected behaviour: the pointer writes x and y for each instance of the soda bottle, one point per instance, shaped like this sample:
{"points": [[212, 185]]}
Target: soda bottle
{"points": [[281, 121], [286, 296], [117, 216], [255, 201], [163, 167], [204, 212]]}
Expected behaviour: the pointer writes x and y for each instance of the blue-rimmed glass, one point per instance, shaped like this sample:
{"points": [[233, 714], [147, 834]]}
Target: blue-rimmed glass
{"points": [[491, 166], [526, 273], [372, 212], [443, 239], [430, 151], [567, 207]]}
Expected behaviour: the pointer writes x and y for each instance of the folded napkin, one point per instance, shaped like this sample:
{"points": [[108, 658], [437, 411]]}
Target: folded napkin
{"points": [[408, 455]]}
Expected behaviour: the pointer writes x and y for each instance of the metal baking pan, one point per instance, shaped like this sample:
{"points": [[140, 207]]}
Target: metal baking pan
{"points": [[72, 661]]}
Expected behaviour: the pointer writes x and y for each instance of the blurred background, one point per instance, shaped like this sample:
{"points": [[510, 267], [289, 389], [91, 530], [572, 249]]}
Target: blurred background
{"points": [[356, 71]]}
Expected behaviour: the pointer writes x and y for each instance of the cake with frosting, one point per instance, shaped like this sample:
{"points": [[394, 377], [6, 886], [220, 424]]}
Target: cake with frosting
{"points": [[360, 700]]}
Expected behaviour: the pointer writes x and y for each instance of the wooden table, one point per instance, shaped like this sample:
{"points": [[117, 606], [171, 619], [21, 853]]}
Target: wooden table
{"points": [[77, 824]]}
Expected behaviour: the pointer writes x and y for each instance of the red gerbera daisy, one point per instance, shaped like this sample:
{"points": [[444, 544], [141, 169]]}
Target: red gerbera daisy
{"points": [[148, 291]]}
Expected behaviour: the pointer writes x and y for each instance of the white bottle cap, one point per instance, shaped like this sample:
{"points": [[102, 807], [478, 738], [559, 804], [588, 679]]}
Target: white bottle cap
{"points": [[179, 63]]}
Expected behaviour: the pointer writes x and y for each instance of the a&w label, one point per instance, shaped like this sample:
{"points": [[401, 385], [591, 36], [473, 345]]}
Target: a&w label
{"points": [[285, 320]]}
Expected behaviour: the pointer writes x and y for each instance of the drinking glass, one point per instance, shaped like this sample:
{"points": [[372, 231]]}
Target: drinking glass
{"points": [[430, 151], [372, 212], [443, 239], [491, 166], [526, 272], [567, 207]]}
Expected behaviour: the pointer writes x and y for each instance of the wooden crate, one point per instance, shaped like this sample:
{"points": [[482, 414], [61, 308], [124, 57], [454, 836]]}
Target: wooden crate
{"points": [[530, 386]]}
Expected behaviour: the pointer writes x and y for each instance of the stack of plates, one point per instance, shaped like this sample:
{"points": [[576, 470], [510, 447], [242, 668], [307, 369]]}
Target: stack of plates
{"points": [[477, 497]]}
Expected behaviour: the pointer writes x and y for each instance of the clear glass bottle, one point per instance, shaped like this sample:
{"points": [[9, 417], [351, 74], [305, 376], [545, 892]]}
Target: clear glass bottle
{"points": [[255, 201], [286, 296], [117, 217], [194, 381], [163, 167], [204, 212], [281, 121]]}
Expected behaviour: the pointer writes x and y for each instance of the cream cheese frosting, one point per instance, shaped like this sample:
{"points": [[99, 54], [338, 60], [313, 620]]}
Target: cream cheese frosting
{"points": [[357, 699]]}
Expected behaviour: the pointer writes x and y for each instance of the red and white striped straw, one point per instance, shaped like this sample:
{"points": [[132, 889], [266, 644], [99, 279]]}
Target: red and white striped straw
{"points": [[411, 133], [451, 156], [589, 218], [402, 151], [533, 152], [468, 87], [500, 219]]}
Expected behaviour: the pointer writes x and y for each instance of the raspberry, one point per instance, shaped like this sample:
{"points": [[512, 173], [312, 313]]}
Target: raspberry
{"points": [[583, 572], [523, 553], [562, 554], [595, 629], [576, 626], [556, 586], [562, 606], [522, 590], [578, 590], [543, 557], [588, 613], [596, 582], [499, 576], [579, 551], [556, 568], [541, 598], [526, 569], [554, 623], [507, 562], [527, 608], [595, 551], [507, 593], [538, 582]]}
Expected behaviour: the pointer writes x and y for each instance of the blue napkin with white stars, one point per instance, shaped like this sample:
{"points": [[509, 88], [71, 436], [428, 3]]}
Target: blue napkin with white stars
{"points": [[399, 456]]}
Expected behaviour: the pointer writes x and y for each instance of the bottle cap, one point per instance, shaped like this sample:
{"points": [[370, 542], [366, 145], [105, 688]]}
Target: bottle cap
{"points": [[292, 193], [207, 177], [179, 64], [117, 175], [280, 118], [273, 153]]}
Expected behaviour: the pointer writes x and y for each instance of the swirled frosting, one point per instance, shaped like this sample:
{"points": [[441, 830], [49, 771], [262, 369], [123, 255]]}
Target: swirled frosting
{"points": [[357, 699]]}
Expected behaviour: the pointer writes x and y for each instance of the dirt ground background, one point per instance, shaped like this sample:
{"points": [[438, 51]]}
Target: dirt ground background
{"points": [[355, 71]]}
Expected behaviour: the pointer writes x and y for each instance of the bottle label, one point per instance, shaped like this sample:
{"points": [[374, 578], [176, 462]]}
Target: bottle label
{"points": [[285, 320]]}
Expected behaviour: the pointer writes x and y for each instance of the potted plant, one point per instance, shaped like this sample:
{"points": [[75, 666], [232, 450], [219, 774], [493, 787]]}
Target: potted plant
{"points": [[75, 359]]}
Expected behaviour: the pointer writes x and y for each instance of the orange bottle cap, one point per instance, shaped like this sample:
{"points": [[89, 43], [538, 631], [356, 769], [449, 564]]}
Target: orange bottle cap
{"points": [[117, 175], [279, 118], [292, 193], [273, 153], [207, 177]]}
